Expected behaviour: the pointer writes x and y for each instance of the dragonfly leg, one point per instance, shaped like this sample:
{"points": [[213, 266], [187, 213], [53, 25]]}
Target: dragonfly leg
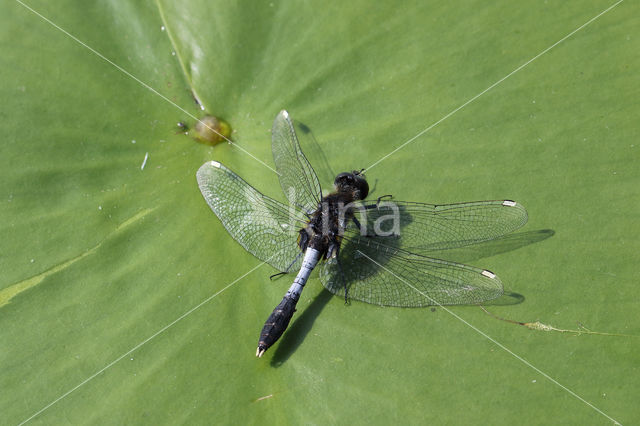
{"points": [[344, 279], [357, 222], [286, 271], [271, 277], [363, 232], [384, 196], [333, 253], [303, 240]]}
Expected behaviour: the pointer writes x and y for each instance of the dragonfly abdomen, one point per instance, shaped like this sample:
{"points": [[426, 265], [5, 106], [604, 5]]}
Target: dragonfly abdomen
{"points": [[279, 319]]}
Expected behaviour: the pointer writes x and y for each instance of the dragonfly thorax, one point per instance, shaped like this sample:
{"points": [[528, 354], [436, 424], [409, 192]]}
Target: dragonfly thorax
{"points": [[328, 223]]}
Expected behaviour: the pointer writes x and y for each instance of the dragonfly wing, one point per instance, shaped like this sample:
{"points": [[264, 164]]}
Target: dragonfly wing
{"points": [[297, 178], [424, 228], [265, 227], [375, 270]]}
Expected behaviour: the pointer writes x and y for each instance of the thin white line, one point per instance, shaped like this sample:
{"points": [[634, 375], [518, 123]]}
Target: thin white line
{"points": [[495, 84], [139, 345], [151, 89], [518, 357]]}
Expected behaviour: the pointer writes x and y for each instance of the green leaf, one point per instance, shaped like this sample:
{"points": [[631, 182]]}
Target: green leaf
{"points": [[123, 299]]}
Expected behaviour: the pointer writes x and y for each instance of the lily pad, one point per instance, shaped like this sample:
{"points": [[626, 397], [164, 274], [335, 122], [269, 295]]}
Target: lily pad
{"points": [[123, 299]]}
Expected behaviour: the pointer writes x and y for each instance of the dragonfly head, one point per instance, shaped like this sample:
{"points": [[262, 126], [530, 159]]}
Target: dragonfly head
{"points": [[353, 182]]}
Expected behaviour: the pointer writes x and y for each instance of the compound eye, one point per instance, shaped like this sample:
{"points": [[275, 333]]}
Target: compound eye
{"points": [[364, 189], [343, 177]]}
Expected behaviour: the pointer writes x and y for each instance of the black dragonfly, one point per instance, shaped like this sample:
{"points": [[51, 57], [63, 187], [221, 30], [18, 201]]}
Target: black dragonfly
{"points": [[383, 252]]}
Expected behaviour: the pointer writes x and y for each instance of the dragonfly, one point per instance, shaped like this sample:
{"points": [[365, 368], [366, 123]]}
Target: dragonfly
{"points": [[383, 252]]}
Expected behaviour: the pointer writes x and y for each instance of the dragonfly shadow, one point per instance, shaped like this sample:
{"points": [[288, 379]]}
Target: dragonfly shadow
{"points": [[508, 298], [500, 245], [297, 332]]}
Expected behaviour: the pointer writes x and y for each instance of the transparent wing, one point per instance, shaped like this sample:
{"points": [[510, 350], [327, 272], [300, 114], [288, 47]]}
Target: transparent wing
{"points": [[297, 178], [424, 228], [383, 274], [314, 153], [264, 227]]}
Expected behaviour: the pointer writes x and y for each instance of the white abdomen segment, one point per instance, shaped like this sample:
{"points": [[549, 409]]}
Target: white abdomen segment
{"points": [[310, 260]]}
